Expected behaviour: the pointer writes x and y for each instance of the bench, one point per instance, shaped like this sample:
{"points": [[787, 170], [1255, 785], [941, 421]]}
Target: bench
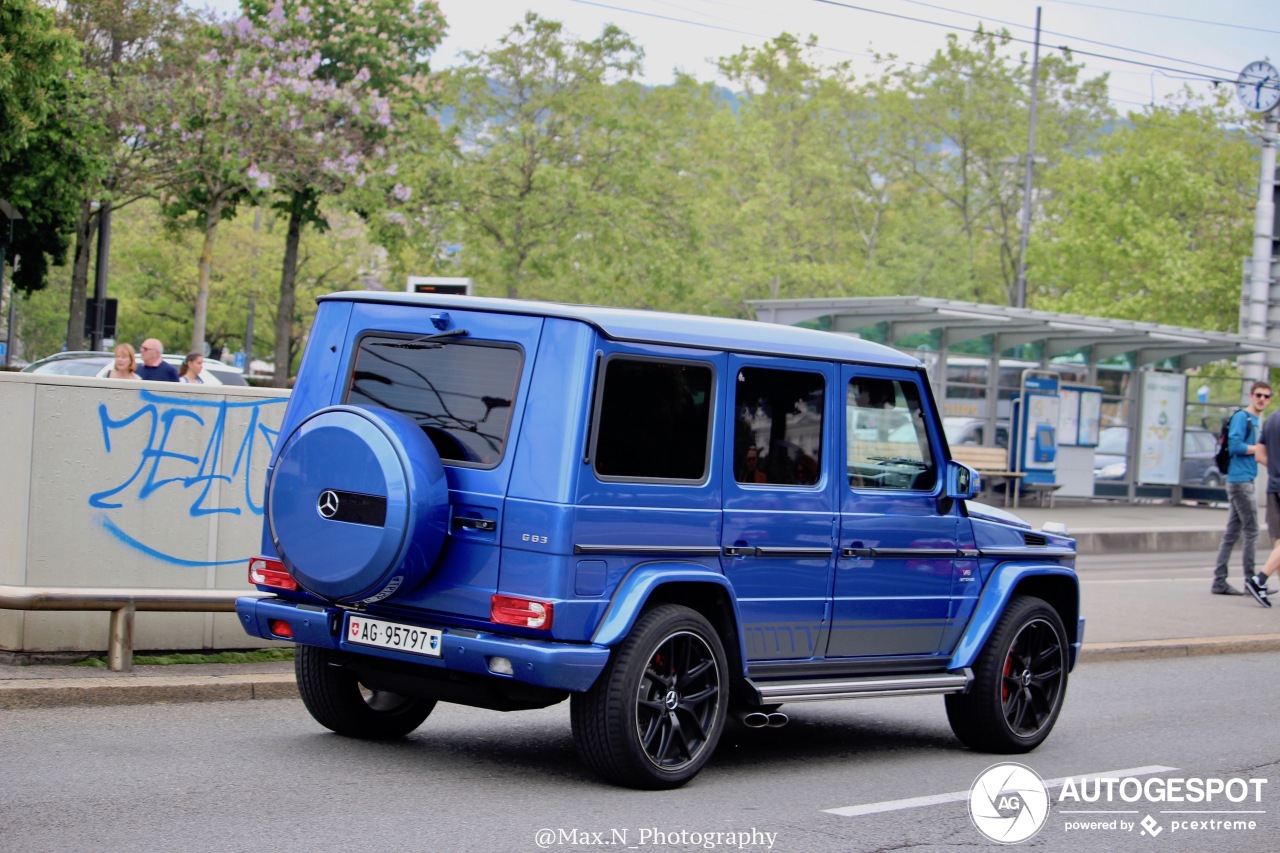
{"points": [[992, 464]]}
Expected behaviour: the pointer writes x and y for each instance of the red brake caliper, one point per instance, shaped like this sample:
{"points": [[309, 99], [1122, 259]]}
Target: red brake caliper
{"points": [[1004, 682]]}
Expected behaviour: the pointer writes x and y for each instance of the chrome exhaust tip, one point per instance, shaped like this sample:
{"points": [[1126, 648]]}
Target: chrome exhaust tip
{"points": [[754, 720], [777, 720]]}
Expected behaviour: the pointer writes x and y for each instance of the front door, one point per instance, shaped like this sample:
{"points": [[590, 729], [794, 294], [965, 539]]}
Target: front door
{"points": [[897, 550]]}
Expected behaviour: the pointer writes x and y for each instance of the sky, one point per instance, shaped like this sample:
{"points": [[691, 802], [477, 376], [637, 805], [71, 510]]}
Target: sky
{"points": [[1178, 38], [1150, 48]]}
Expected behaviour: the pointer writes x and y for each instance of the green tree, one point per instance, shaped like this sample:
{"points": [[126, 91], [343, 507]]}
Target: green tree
{"points": [[34, 54], [806, 194], [1153, 223], [958, 129], [532, 136], [121, 41], [45, 137]]}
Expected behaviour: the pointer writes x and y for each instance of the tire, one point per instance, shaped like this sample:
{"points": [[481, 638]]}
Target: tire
{"points": [[655, 715], [335, 698], [1020, 681]]}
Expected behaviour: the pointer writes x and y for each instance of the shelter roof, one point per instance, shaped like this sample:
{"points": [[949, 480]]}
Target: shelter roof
{"points": [[898, 317]]}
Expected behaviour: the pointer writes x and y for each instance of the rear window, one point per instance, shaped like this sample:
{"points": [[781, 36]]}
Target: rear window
{"points": [[460, 393]]}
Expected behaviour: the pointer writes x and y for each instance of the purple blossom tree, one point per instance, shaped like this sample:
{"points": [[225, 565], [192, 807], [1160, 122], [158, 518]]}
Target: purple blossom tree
{"points": [[369, 58], [260, 113]]}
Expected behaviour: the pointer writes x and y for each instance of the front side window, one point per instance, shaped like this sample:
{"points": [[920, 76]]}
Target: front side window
{"points": [[888, 444], [778, 429], [654, 420], [459, 393]]}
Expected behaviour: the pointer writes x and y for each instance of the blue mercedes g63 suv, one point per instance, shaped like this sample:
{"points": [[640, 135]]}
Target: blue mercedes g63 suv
{"points": [[668, 520]]}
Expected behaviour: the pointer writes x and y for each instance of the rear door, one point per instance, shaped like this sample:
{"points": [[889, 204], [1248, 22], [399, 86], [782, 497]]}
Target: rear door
{"points": [[897, 545], [779, 506]]}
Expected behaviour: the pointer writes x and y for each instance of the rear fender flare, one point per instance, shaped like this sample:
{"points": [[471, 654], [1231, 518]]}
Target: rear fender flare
{"points": [[1014, 578], [640, 586]]}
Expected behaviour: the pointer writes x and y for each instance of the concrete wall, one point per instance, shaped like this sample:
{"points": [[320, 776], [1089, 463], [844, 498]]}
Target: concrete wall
{"points": [[130, 484]]}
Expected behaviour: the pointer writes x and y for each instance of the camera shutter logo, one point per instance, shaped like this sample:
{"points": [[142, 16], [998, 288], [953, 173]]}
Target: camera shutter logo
{"points": [[1008, 803], [328, 503]]}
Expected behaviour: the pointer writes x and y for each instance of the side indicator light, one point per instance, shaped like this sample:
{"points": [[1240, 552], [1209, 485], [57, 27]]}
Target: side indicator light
{"points": [[521, 612], [263, 571]]}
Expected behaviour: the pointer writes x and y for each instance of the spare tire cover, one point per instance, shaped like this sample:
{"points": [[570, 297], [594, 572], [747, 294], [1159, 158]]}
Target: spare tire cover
{"points": [[357, 504]]}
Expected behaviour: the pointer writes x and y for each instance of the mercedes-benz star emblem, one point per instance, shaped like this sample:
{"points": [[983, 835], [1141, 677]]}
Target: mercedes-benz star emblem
{"points": [[328, 503]]}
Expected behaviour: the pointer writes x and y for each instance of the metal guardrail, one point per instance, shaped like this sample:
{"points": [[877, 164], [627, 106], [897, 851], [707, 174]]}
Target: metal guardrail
{"points": [[122, 604]]}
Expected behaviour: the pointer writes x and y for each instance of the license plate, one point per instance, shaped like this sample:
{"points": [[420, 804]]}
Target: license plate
{"points": [[388, 635]]}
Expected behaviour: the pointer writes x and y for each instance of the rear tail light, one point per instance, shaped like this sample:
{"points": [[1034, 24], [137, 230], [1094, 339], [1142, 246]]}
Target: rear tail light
{"points": [[264, 571], [280, 628], [521, 612]]}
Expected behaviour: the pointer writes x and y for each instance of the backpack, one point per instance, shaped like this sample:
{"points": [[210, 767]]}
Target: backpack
{"points": [[1221, 448]]}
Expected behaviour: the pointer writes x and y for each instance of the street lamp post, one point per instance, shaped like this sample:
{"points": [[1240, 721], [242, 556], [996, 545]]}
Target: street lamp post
{"points": [[1020, 287], [100, 277], [8, 214]]}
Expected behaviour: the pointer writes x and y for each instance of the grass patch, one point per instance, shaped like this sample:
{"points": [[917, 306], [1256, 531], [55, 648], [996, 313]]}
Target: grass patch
{"points": [[257, 656]]}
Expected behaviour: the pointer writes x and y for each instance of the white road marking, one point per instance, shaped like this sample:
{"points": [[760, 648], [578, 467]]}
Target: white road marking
{"points": [[960, 796]]}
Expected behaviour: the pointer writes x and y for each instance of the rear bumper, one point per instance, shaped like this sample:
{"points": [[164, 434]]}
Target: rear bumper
{"points": [[560, 666]]}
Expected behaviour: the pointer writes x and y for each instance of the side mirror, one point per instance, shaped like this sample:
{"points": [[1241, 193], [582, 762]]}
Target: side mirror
{"points": [[962, 481]]}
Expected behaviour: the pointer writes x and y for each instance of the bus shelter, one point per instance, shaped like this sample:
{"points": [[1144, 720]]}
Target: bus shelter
{"points": [[978, 354]]}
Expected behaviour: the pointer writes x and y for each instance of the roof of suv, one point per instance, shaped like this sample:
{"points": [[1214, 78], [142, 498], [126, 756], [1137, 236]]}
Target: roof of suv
{"points": [[657, 327]]}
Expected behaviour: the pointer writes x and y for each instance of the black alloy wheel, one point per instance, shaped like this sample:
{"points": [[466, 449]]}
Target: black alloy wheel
{"points": [[1020, 681], [655, 715]]}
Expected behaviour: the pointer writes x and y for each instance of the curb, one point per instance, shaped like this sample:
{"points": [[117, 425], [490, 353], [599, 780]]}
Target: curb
{"points": [[147, 690], [19, 694], [1180, 648], [1145, 540]]}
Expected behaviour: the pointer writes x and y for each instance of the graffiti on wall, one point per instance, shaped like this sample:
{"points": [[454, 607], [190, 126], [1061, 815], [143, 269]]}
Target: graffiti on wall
{"points": [[185, 451]]}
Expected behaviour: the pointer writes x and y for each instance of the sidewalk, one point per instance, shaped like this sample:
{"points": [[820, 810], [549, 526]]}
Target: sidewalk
{"points": [[1126, 618]]}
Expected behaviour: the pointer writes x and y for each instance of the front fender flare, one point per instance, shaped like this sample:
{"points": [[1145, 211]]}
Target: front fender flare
{"points": [[1006, 580], [639, 586]]}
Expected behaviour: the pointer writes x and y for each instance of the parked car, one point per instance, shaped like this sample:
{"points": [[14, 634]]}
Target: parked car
{"points": [[961, 430], [506, 504], [99, 364], [1110, 458]]}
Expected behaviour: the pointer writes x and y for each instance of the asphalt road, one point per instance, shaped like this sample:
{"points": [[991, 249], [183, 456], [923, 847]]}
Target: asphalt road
{"points": [[261, 775]]}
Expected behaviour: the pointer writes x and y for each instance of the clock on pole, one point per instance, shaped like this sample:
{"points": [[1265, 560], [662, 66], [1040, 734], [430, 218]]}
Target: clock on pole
{"points": [[1258, 87]]}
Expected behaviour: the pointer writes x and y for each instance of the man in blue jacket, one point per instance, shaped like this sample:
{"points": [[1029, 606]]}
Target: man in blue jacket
{"points": [[1242, 519], [153, 366]]}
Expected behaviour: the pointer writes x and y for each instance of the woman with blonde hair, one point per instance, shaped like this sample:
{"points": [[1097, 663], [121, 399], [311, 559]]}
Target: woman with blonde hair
{"points": [[126, 366]]}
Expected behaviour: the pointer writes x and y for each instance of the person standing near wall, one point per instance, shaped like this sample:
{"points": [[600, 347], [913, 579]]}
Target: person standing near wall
{"points": [[126, 364], [192, 367], [1242, 517], [154, 367]]}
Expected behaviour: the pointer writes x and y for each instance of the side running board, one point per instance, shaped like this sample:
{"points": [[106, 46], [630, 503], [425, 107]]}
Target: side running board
{"points": [[777, 692]]}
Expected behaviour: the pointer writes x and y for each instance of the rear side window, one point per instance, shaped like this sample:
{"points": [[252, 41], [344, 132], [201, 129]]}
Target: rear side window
{"points": [[654, 420], [778, 428], [459, 393]]}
